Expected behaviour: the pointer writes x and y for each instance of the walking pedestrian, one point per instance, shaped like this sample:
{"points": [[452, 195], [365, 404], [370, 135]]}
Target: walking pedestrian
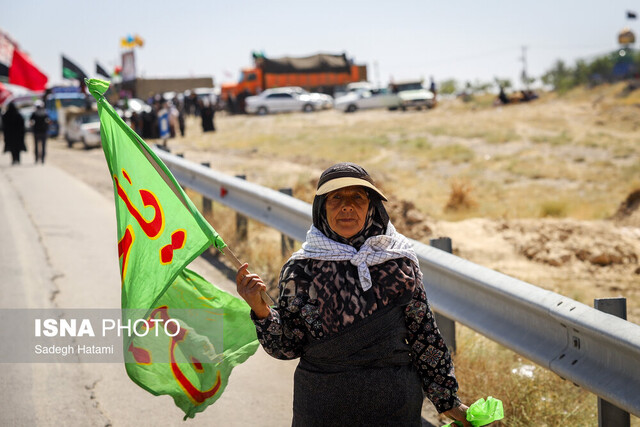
{"points": [[207, 114], [40, 124], [13, 128]]}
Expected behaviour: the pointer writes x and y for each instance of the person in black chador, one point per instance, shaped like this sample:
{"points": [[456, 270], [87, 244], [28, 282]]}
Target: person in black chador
{"points": [[13, 127], [40, 120], [241, 101], [147, 124], [207, 114], [502, 96], [179, 105]]}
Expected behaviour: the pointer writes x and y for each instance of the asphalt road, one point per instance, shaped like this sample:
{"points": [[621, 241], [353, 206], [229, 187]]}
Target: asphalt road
{"points": [[58, 250]]}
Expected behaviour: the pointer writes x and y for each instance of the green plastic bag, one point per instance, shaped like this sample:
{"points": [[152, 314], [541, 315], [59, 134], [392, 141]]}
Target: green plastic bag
{"points": [[482, 412]]}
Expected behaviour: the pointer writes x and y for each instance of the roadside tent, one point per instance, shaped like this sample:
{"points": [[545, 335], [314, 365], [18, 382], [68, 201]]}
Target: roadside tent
{"points": [[320, 63]]}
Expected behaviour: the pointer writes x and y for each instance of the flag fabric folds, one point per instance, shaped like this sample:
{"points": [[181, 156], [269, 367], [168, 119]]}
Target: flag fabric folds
{"points": [[4, 93], [23, 73], [159, 233], [101, 71], [72, 71]]}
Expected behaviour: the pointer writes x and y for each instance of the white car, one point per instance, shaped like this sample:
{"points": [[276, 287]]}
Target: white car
{"points": [[285, 99], [353, 87], [414, 95], [84, 128], [325, 101], [363, 99]]}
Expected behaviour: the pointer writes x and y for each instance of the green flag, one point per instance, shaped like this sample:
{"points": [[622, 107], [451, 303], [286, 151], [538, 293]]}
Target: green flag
{"points": [[205, 331]]}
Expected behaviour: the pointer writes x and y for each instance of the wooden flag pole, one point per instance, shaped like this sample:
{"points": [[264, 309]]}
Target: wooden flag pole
{"points": [[237, 264]]}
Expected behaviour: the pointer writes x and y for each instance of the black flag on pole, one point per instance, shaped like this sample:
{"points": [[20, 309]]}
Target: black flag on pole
{"points": [[101, 71], [72, 71]]}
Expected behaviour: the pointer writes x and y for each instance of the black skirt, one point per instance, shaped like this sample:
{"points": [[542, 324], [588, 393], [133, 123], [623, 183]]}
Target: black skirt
{"points": [[362, 376]]}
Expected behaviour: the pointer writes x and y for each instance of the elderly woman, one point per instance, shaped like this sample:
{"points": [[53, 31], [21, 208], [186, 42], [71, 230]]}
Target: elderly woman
{"points": [[353, 308]]}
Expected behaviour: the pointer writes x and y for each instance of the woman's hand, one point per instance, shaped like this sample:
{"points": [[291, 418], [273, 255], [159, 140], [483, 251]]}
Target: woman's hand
{"points": [[459, 413], [249, 287]]}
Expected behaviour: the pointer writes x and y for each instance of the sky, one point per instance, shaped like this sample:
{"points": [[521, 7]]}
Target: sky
{"points": [[466, 40]]}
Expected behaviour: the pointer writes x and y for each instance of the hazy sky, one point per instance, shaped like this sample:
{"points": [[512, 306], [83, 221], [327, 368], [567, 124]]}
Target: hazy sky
{"points": [[464, 39]]}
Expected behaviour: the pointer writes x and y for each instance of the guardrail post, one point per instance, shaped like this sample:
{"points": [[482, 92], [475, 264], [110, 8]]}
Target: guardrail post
{"points": [[241, 220], [286, 243], [206, 202], [610, 415], [447, 326]]}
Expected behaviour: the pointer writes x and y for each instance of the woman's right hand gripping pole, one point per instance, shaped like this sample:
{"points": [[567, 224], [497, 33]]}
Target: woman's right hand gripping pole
{"points": [[249, 287]]}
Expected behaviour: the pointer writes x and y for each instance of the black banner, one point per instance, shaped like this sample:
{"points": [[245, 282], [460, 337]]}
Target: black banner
{"points": [[71, 70], [101, 71]]}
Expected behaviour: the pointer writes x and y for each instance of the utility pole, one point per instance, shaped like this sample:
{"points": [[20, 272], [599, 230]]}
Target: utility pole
{"points": [[524, 77], [376, 71]]}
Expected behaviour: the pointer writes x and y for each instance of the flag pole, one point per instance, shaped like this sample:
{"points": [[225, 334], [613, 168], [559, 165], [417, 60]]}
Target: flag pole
{"points": [[237, 264]]}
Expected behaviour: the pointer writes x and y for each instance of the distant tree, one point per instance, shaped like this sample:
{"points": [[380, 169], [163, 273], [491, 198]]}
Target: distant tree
{"points": [[582, 73], [504, 83], [560, 77], [479, 86], [603, 67], [526, 80], [449, 86]]}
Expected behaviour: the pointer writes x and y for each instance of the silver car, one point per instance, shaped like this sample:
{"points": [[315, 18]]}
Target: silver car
{"points": [[281, 100], [84, 128], [363, 99]]}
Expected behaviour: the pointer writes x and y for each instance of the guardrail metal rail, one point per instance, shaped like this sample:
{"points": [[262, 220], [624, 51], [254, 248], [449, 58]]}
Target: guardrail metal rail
{"points": [[595, 350]]}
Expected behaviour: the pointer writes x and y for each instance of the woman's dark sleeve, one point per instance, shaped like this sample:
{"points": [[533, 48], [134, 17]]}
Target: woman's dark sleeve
{"points": [[282, 333], [429, 353]]}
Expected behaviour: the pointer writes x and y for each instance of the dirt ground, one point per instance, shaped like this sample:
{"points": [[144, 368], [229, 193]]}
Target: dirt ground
{"points": [[578, 258]]}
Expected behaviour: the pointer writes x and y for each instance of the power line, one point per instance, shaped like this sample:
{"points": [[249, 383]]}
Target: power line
{"points": [[470, 57]]}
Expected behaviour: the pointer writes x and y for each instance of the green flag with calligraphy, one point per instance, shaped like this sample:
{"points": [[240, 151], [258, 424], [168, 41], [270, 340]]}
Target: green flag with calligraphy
{"points": [[205, 331]]}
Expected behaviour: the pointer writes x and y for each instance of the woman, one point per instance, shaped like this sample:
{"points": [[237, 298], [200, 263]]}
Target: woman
{"points": [[13, 127], [353, 308]]}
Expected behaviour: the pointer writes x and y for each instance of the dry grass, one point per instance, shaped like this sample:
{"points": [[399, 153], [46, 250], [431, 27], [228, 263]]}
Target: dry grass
{"points": [[580, 149], [531, 395], [573, 156], [553, 208], [460, 198]]}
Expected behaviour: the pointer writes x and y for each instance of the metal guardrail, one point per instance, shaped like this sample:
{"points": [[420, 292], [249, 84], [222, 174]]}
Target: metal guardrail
{"points": [[280, 211], [595, 350]]}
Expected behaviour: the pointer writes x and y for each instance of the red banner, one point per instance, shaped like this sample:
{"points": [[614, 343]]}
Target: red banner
{"points": [[23, 73]]}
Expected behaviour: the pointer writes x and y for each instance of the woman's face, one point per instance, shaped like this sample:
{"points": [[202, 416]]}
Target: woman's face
{"points": [[347, 210]]}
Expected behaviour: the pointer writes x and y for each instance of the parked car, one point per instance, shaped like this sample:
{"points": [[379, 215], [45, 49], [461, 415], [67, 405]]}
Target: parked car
{"points": [[353, 87], [63, 100], [280, 100], [83, 127], [325, 101], [363, 99], [413, 95]]}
